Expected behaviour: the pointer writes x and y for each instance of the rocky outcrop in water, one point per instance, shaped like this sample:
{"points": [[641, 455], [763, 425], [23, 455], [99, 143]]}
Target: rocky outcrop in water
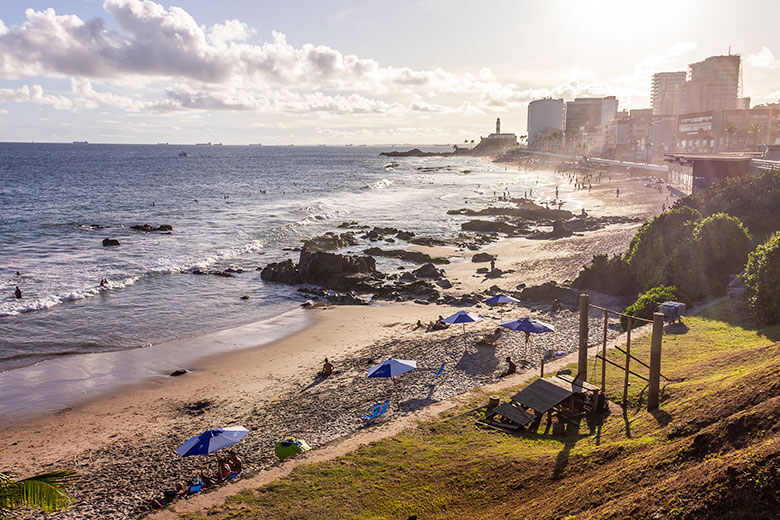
{"points": [[148, 228], [408, 256], [415, 152], [110, 242], [330, 242], [328, 270]]}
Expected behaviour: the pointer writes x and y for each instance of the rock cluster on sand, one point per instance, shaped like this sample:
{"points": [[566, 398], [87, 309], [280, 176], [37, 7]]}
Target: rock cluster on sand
{"points": [[408, 256], [330, 242]]}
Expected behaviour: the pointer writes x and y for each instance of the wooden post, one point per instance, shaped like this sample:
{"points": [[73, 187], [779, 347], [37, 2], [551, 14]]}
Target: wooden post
{"points": [[628, 363], [542, 372], [604, 355], [655, 361], [582, 361]]}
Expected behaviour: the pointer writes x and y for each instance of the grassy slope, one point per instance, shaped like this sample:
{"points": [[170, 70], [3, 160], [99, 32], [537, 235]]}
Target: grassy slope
{"points": [[711, 451]]}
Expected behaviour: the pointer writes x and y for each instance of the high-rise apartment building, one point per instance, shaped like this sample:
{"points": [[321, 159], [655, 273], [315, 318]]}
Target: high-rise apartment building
{"points": [[589, 114], [665, 92], [546, 119], [713, 84]]}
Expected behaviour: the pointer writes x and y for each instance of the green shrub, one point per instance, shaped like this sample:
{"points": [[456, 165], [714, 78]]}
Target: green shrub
{"points": [[646, 304], [607, 275], [720, 248], [762, 281], [659, 251]]}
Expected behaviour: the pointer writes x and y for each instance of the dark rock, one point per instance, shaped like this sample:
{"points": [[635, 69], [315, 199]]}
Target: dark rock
{"points": [[549, 291], [329, 270], [179, 372], [407, 277], [428, 271], [110, 242], [409, 256], [444, 284], [482, 270], [405, 235], [489, 226], [428, 241], [149, 228], [494, 289], [483, 257], [330, 242]]}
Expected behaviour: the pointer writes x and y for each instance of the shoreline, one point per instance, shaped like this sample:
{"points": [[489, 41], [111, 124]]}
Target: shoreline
{"points": [[268, 388]]}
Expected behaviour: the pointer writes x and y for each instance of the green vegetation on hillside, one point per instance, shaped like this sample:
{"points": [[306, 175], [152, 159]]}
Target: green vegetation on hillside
{"points": [[762, 281], [753, 200], [646, 304], [711, 451]]}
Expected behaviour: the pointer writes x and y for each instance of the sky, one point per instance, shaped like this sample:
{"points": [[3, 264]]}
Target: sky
{"points": [[337, 72]]}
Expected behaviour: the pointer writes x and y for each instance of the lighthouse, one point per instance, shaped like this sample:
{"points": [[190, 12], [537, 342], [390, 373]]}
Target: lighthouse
{"points": [[498, 125]]}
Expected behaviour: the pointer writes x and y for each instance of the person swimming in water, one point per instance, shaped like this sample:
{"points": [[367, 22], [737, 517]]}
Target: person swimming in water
{"points": [[18, 293]]}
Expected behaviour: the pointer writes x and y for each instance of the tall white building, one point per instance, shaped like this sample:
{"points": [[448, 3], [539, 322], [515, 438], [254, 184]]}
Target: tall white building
{"points": [[665, 92], [545, 116]]}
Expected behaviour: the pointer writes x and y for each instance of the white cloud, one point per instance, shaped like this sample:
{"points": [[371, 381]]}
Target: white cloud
{"points": [[3, 111], [763, 59], [230, 31], [3, 28], [34, 94], [88, 97]]}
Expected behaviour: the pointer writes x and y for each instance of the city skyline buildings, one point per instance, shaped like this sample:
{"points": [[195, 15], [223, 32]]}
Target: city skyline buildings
{"points": [[311, 72]]}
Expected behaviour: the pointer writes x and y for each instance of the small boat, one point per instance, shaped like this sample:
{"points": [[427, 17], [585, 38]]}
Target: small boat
{"points": [[183, 154], [80, 142]]}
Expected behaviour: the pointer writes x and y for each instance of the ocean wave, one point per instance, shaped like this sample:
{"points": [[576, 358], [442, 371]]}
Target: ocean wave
{"points": [[17, 307], [379, 185]]}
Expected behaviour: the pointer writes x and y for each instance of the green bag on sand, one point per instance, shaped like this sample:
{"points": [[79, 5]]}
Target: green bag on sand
{"points": [[290, 447]]}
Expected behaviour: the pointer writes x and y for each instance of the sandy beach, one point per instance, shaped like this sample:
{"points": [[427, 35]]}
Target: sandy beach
{"points": [[122, 444]]}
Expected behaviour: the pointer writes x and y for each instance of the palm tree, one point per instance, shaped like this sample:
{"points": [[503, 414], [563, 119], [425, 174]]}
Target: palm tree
{"points": [[44, 492]]}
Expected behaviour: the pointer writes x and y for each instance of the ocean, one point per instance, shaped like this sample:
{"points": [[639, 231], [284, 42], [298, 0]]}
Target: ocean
{"points": [[229, 206]]}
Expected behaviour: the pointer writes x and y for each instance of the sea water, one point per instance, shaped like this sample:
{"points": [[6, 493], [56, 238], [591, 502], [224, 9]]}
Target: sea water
{"points": [[240, 206]]}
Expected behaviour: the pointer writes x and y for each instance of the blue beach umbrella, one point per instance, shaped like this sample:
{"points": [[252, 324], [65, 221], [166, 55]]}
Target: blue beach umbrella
{"points": [[212, 440], [391, 368], [500, 298], [462, 317], [528, 325]]}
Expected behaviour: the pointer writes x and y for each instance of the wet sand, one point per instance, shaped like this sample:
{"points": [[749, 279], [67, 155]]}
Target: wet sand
{"points": [[122, 444]]}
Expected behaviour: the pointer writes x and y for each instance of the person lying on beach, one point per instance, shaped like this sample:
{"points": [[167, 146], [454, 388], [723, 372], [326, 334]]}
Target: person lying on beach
{"points": [[510, 369], [327, 369], [418, 325]]}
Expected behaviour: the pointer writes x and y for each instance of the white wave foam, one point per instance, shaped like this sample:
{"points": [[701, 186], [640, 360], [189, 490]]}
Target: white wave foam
{"points": [[380, 185]]}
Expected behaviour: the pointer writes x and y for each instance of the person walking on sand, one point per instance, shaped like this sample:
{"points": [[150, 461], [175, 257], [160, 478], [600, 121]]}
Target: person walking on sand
{"points": [[617, 192], [492, 266], [18, 293]]}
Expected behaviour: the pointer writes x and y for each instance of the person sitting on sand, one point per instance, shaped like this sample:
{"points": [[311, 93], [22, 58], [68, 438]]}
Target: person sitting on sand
{"points": [[18, 293], [510, 369], [556, 305], [223, 469], [439, 324], [489, 340], [418, 325], [234, 462], [327, 369]]}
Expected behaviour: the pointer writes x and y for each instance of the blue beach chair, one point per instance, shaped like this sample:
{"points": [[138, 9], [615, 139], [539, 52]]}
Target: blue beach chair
{"points": [[438, 372], [379, 409]]}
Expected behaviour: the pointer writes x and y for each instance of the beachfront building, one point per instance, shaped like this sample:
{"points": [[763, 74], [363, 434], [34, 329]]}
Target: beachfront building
{"points": [[665, 92], [546, 121], [628, 136], [587, 122], [713, 84], [690, 173], [496, 141], [736, 130]]}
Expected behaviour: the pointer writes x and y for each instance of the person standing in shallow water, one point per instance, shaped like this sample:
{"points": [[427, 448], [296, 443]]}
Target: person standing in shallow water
{"points": [[18, 293]]}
